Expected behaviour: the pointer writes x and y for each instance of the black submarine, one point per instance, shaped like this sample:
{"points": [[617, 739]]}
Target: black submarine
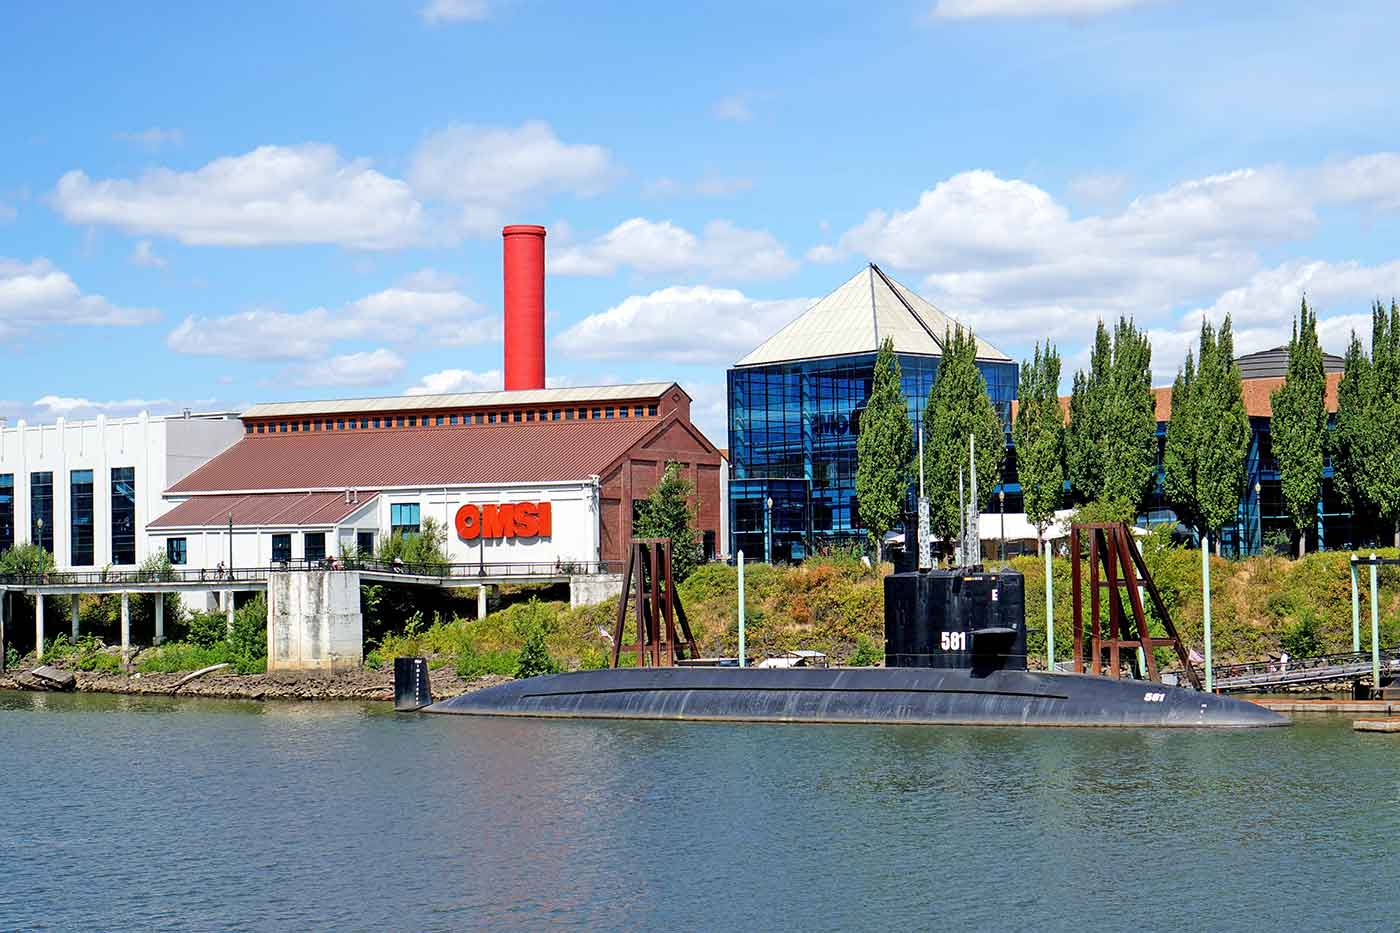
{"points": [[955, 655]]}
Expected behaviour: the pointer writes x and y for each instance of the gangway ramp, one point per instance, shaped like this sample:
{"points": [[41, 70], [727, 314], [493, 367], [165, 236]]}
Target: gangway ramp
{"points": [[1297, 672]]}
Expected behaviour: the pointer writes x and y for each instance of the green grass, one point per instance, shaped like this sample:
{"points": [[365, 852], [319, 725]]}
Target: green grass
{"points": [[178, 657]]}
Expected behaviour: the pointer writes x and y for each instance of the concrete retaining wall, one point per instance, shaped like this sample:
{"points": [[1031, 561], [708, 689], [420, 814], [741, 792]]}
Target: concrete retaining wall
{"points": [[591, 589], [314, 622]]}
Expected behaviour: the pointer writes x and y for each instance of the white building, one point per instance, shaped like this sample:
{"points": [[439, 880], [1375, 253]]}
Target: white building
{"points": [[86, 490]]}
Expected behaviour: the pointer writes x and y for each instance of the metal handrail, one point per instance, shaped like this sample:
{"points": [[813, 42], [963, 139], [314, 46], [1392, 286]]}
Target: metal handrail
{"points": [[260, 574]]}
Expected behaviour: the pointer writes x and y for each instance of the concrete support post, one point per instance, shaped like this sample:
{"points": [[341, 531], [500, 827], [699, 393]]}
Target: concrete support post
{"points": [[742, 647], [1375, 633], [1355, 609], [228, 612], [73, 607], [160, 618], [39, 626], [4, 644], [1049, 610], [481, 602], [126, 629]]}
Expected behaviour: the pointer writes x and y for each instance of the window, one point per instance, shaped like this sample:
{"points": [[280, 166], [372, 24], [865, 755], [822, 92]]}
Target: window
{"points": [[374, 422], [582, 413], [555, 415], [175, 551], [316, 425], [80, 517], [306, 426], [123, 515], [400, 421], [622, 411], [313, 546], [364, 542], [597, 413], [638, 411], [707, 546], [651, 410], [453, 420], [340, 425], [517, 417], [281, 427], [439, 420], [262, 428], [7, 511], [294, 427], [364, 424], [529, 416], [608, 412], [352, 425], [41, 510], [413, 421], [403, 518], [281, 549], [568, 414], [247, 429], [492, 416]]}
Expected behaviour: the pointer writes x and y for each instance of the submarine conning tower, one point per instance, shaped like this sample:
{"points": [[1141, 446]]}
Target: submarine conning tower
{"points": [[965, 619]]}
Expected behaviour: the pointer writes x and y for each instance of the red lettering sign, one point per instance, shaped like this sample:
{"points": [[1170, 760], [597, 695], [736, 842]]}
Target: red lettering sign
{"points": [[507, 520]]}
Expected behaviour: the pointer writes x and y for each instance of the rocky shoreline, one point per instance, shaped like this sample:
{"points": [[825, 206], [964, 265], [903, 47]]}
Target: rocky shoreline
{"points": [[358, 685]]}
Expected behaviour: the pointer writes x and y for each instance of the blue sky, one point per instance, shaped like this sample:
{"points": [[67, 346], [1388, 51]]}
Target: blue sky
{"points": [[208, 205]]}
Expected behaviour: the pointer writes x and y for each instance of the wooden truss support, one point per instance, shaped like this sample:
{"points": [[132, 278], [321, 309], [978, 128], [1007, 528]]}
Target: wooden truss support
{"points": [[1116, 566], [663, 634]]}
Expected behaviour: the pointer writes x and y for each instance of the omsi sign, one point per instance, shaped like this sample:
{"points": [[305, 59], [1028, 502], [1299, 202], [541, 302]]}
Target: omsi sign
{"points": [[508, 520]]}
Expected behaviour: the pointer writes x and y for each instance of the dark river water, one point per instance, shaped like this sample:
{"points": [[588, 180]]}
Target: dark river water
{"points": [[138, 814]]}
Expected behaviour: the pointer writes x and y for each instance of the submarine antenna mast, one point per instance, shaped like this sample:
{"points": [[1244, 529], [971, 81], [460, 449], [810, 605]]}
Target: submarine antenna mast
{"points": [[925, 544], [962, 519]]}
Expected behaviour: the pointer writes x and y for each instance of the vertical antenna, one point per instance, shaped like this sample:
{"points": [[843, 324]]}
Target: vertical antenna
{"points": [[974, 533]]}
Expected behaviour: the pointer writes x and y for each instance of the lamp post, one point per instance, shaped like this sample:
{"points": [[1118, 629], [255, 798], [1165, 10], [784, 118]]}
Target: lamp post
{"points": [[768, 530], [1001, 507], [230, 545], [1258, 515]]}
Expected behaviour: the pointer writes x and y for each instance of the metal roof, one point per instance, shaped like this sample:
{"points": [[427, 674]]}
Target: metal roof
{"points": [[857, 317], [280, 510], [1273, 364], [527, 452], [502, 399]]}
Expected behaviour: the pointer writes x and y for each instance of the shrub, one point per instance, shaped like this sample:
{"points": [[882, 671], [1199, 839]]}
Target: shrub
{"points": [[472, 664], [534, 657], [1303, 639], [207, 629], [866, 654]]}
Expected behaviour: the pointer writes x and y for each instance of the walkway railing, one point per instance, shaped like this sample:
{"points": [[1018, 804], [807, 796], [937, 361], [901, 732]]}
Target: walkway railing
{"points": [[1297, 671], [255, 575]]}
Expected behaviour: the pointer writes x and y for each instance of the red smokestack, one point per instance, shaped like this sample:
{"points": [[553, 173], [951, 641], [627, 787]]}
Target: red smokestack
{"points": [[524, 269]]}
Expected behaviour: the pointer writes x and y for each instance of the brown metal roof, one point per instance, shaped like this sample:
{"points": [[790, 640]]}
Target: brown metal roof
{"points": [[263, 509], [530, 452]]}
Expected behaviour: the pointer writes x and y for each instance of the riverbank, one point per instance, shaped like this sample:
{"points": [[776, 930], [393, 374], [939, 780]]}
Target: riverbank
{"points": [[358, 685]]}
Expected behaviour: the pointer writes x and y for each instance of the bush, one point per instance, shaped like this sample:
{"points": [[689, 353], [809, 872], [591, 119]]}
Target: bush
{"points": [[866, 654], [249, 636], [1303, 639], [207, 629], [534, 657], [472, 664]]}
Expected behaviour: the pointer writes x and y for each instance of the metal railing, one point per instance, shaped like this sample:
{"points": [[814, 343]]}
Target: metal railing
{"points": [[1302, 670], [254, 575]]}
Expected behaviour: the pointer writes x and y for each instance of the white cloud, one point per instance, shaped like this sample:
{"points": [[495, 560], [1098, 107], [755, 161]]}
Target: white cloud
{"points": [[272, 195], [449, 381], [1371, 179], [486, 169], [734, 108], [37, 294], [7, 213], [143, 255], [664, 325], [153, 139], [661, 247], [455, 11], [369, 368], [56, 406], [403, 313], [971, 9], [824, 254]]}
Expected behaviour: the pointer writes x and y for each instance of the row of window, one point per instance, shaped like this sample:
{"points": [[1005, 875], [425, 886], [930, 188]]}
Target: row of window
{"points": [[83, 534], [412, 421], [313, 548]]}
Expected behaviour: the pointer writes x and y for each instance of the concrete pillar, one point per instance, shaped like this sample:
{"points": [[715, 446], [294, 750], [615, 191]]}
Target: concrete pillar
{"points": [[73, 611], [481, 602], [160, 618], [126, 629], [4, 643], [39, 626], [314, 622], [228, 611]]}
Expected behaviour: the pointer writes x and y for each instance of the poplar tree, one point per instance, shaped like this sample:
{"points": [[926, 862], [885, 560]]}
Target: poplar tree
{"points": [[667, 512], [1299, 425], [883, 450], [1208, 435], [1112, 434], [1039, 433], [958, 407], [1366, 443]]}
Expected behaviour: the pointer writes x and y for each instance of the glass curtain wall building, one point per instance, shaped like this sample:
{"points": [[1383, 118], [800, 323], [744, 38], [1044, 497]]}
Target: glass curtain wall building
{"points": [[795, 405]]}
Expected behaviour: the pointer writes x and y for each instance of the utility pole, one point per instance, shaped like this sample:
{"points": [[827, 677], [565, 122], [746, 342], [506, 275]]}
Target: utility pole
{"points": [[742, 646], [925, 543]]}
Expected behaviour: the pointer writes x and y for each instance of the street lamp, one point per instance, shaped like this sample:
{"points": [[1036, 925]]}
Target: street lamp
{"points": [[768, 530], [1001, 507], [1258, 515]]}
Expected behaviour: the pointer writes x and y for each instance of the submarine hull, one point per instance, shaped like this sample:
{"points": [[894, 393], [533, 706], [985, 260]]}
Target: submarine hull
{"points": [[915, 696]]}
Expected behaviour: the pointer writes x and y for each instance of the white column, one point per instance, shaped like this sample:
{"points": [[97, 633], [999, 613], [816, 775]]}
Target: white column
{"points": [[126, 629], [39, 626], [228, 611], [73, 611], [481, 602], [160, 618], [4, 608]]}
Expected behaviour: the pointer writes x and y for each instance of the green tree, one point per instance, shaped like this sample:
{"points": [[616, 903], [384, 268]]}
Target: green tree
{"points": [[28, 559], [884, 450], [958, 407], [1039, 433], [1208, 435], [1111, 440], [1299, 426], [534, 656], [1087, 412], [669, 513], [1366, 441]]}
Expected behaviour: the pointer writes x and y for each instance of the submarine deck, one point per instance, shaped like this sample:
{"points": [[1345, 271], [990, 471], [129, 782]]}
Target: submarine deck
{"points": [[926, 696]]}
